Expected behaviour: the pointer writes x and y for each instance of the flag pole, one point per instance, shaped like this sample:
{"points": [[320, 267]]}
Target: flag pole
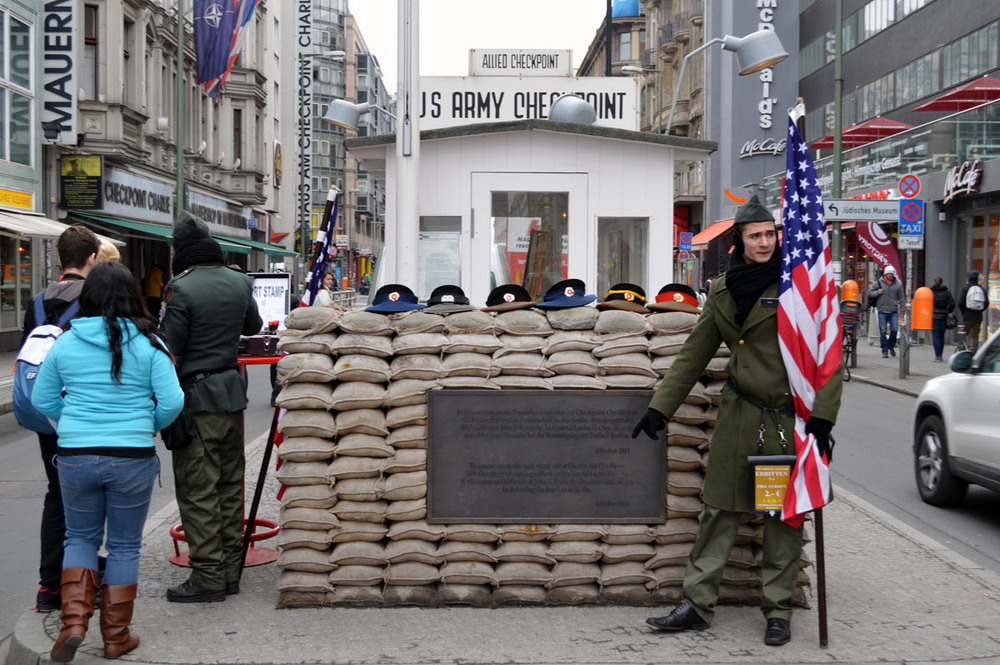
{"points": [[824, 640]]}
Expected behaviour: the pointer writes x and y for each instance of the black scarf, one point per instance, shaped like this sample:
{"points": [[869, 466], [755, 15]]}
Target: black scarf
{"points": [[195, 252], [747, 281]]}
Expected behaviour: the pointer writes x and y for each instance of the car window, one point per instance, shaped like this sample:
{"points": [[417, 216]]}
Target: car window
{"points": [[991, 359]]}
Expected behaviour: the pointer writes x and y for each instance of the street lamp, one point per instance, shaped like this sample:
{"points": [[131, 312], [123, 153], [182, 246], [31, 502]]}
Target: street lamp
{"points": [[632, 69], [348, 115], [758, 50], [572, 108]]}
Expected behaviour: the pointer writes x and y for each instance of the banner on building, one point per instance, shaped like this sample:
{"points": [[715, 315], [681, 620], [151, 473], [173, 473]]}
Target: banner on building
{"points": [[61, 27]]}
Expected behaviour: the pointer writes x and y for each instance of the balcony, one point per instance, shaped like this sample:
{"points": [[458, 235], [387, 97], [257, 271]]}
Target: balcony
{"points": [[648, 59], [668, 43], [682, 26]]}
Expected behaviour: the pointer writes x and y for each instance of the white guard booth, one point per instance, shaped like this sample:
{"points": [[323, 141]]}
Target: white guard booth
{"points": [[533, 202]]}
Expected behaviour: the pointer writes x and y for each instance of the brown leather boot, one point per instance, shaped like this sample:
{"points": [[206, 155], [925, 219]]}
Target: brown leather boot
{"points": [[117, 603], [79, 589]]}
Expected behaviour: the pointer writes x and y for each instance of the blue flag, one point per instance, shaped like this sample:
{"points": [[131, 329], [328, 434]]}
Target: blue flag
{"points": [[325, 241], [214, 26]]}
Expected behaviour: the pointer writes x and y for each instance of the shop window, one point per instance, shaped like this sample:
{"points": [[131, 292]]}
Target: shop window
{"points": [[622, 243], [15, 281], [529, 233], [439, 252]]}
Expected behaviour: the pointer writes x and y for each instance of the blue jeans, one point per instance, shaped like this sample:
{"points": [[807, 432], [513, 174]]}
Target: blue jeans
{"points": [[937, 336], [98, 489], [892, 318]]}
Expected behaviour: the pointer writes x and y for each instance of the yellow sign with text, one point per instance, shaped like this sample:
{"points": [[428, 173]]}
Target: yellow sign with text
{"points": [[16, 199], [770, 482]]}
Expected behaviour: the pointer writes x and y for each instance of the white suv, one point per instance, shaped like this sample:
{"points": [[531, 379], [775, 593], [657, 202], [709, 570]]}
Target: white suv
{"points": [[956, 435]]}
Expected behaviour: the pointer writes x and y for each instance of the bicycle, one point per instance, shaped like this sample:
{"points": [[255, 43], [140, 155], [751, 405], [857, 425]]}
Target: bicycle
{"points": [[850, 316]]}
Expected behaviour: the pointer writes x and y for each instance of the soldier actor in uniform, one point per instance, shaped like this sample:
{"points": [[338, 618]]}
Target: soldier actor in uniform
{"points": [[207, 307], [741, 311]]}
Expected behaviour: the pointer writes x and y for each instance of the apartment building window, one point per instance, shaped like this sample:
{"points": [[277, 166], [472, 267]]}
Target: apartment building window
{"points": [[815, 54], [128, 76], [15, 90], [89, 80], [625, 46], [971, 55], [238, 134], [362, 81]]}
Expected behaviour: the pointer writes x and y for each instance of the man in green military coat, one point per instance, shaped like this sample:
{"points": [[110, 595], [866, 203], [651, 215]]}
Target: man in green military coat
{"points": [[208, 307], [741, 311]]}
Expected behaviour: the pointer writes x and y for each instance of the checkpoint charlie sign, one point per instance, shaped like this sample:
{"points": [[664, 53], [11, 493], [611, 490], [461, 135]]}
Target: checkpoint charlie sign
{"points": [[519, 62], [448, 101]]}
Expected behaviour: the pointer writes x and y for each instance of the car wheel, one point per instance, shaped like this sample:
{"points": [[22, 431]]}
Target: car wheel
{"points": [[937, 485]]}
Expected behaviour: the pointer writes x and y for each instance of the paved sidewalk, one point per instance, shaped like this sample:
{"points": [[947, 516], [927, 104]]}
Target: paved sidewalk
{"points": [[894, 596]]}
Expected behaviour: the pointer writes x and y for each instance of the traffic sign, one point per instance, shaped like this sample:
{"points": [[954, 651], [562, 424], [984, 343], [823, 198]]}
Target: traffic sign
{"points": [[909, 186], [911, 217], [683, 255], [860, 210], [911, 242], [684, 241]]}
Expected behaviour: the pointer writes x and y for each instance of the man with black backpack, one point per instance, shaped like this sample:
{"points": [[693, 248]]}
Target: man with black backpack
{"points": [[972, 302], [77, 248]]}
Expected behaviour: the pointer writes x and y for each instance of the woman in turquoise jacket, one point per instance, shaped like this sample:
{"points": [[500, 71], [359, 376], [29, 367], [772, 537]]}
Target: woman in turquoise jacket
{"points": [[109, 382]]}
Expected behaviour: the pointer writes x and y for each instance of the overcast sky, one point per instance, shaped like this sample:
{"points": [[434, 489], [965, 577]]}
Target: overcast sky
{"points": [[449, 28]]}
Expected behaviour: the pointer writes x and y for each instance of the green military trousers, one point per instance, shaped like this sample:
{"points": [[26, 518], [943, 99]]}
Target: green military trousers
{"points": [[208, 475], [780, 567]]}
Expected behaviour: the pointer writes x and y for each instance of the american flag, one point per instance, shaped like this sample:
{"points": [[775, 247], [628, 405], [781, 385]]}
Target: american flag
{"points": [[809, 331], [322, 257]]}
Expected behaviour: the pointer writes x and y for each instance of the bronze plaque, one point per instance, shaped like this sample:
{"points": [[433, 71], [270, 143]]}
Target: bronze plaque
{"points": [[540, 457]]}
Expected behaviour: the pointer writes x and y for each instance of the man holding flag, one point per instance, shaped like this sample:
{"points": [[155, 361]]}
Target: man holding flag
{"points": [[772, 309]]}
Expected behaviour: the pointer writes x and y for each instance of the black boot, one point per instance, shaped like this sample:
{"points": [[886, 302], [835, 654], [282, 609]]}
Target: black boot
{"points": [[189, 592]]}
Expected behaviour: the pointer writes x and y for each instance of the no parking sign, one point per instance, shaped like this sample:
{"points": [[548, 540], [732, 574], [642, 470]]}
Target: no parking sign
{"points": [[909, 186]]}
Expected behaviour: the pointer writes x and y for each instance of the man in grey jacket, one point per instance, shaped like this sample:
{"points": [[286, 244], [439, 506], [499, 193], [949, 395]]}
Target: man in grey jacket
{"points": [[889, 292]]}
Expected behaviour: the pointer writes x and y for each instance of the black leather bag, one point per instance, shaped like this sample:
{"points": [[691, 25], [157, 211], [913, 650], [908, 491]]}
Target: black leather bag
{"points": [[952, 322]]}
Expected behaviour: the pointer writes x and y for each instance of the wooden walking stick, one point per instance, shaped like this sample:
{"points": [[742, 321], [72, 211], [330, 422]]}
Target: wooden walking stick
{"points": [[821, 579], [258, 490]]}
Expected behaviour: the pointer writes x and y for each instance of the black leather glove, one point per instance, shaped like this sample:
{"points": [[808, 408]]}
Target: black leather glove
{"points": [[651, 423], [821, 429]]}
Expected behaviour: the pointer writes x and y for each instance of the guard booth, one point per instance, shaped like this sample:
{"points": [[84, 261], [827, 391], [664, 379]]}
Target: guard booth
{"points": [[533, 202]]}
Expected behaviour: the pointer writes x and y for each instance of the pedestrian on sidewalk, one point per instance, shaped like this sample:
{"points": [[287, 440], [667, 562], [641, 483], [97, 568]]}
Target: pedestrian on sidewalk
{"points": [[109, 382], [77, 248], [972, 302], [944, 305], [887, 293], [742, 311], [207, 306]]}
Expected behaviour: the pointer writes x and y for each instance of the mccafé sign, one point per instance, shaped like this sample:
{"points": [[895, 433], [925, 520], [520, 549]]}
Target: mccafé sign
{"points": [[963, 179]]}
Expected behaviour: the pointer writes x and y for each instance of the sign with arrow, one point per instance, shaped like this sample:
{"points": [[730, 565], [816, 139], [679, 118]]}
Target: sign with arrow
{"points": [[860, 210]]}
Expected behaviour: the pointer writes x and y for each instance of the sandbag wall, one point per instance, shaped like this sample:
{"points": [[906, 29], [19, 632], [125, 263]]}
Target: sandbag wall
{"points": [[353, 510]]}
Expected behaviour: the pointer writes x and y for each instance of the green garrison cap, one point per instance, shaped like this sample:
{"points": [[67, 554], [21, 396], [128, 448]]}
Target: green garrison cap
{"points": [[753, 211]]}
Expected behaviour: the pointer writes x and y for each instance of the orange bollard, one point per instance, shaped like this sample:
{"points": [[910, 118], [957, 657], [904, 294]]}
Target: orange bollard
{"points": [[849, 290], [343, 283], [923, 309]]}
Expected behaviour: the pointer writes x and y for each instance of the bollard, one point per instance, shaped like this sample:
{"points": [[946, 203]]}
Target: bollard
{"points": [[849, 290], [922, 317]]}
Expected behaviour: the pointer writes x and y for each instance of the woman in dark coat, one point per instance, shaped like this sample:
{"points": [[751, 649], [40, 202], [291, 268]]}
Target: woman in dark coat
{"points": [[944, 304]]}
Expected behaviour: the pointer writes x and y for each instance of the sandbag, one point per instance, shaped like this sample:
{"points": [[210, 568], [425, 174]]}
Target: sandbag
{"points": [[361, 367]]}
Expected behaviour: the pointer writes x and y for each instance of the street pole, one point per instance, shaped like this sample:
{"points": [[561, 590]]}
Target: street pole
{"points": [[838, 138], [179, 103], [405, 244]]}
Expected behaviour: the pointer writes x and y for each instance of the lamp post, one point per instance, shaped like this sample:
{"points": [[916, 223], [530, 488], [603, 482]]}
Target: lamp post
{"points": [[657, 101], [758, 50]]}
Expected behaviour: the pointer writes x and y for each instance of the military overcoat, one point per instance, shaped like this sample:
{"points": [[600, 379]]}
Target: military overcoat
{"points": [[756, 368]]}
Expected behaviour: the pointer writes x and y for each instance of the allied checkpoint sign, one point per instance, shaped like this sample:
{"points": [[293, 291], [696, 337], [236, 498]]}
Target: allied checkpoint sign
{"points": [[542, 457], [450, 101]]}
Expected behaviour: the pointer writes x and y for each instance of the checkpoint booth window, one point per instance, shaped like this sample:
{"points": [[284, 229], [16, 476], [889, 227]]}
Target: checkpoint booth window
{"points": [[537, 201]]}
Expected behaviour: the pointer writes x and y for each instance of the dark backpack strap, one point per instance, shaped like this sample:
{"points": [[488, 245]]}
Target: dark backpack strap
{"points": [[39, 308], [70, 312]]}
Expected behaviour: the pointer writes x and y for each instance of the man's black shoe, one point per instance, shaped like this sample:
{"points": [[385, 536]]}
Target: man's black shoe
{"points": [[892, 352], [188, 592], [682, 618], [778, 632], [48, 600], [232, 588]]}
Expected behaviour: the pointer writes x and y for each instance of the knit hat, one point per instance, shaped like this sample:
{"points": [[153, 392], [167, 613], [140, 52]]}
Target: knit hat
{"points": [[753, 211], [448, 299], [188, 228], [565, 294], [889, 270], [676, 297], [507, 297], [625, 296]]}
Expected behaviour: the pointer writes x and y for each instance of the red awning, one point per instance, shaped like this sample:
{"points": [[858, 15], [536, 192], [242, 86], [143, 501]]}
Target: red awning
{"points": [[965, 96], [864, 132], [701, 240]]}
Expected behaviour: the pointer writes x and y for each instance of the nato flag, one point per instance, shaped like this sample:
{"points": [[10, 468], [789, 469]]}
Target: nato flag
{"points": [[214, 25]]}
